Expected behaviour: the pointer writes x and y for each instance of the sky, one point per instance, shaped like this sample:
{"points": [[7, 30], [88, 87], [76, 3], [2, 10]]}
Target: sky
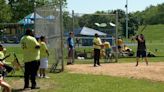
{"points": [[91, 6]]}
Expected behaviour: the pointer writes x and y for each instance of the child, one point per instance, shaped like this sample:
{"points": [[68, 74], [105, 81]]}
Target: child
{"points": [[5, 85], [43, 57]]}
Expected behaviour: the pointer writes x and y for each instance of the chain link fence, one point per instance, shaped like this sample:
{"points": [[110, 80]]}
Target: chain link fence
{"points": [[47, 23]]}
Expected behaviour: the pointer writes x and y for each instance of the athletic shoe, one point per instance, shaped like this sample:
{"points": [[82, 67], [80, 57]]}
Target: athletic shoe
{"points": [[35, 87], [46, 77]]}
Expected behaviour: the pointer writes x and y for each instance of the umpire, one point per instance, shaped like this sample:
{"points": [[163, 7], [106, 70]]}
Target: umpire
{"points": [[31, 56]]}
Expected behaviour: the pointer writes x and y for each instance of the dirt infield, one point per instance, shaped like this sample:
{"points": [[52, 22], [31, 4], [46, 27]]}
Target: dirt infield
{"points": [[155, 71]]}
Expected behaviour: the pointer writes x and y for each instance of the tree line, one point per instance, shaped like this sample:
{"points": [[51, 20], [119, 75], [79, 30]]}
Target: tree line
{"points": [[13, 11], [150, 16]]}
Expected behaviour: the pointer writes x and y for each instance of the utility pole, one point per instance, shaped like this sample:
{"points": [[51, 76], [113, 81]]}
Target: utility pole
{"points": [[126, 6], [116, 38]]}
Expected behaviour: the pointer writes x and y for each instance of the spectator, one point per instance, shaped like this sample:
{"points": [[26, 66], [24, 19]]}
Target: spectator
{"points": [[5, 85], [119, 44], [70, 46], [141, 48], [43, 57], [127, 49], [78, 41], [31, 56], [7, 68], [97, 46], [107, 48]]}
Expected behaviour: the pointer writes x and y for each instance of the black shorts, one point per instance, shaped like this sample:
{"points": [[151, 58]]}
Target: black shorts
{"points": [[141, 53], [70, 52], [119, 47]]}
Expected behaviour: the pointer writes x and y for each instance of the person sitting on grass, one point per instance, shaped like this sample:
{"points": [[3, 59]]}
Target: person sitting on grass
{"points": [[127, 51], [6, 67], [43, 57], [5, 85]]}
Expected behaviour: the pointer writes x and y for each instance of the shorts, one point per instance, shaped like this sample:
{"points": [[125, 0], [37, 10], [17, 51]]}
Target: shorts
{"points": [[141, 53], [70, 52], [43, 63], [119, 47], [108, 51]]}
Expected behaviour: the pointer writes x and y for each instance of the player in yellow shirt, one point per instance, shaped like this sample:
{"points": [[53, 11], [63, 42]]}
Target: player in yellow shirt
{"points": [[120, 44], [5, 85], [31, 56], [43, 57], [107, 49], [97, 46]]}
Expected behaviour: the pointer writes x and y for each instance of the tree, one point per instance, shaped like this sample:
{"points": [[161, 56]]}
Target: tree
{"points": [[151, 15], [5, 12], [21, 8]]}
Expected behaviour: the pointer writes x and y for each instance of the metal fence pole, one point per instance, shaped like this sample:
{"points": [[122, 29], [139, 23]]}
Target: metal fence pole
{"points": [[73, 60], [61, 31], [116, 36], [126, 6]]}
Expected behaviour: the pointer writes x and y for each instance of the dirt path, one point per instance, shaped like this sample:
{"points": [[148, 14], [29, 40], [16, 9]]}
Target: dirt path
{"points": [[155, 71]]}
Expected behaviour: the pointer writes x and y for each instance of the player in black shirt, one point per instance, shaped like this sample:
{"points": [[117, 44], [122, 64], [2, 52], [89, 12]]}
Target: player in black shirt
{"points": [[141, 48]]}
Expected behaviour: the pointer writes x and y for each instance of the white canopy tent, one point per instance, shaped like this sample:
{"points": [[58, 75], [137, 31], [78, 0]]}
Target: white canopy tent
{"points": [[91, 32]]}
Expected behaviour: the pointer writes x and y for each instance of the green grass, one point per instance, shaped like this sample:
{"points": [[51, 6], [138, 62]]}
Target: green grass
{"points": [[94, 83], [66, 82], [154, 33]]}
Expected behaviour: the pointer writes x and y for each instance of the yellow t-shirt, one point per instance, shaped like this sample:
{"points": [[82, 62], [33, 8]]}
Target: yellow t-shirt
{"points": [[43, 48], [2, 55], [119, 42], [96, 43], [126, 48], [107, 45], [30, 53]]}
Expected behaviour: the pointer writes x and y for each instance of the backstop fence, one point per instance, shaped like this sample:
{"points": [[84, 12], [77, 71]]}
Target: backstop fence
{"points": [[48, 23]]}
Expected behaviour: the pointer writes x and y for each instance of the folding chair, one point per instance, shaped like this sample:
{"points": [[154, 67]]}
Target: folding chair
{"points": [[16, 64]]}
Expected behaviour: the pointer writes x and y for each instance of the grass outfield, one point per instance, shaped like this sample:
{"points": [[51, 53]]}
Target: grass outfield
{"points": [[66, 82], [154, 33]]}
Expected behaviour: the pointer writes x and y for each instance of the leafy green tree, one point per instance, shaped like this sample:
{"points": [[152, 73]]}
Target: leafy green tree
{"points": [[67, 21], [21, 8], [151, 15], [5, 12], [101, 17]]}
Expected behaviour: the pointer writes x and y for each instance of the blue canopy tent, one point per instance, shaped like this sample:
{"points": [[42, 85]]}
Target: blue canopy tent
{"points": [[29, 19], [50, 17], [86, 35], [91, 32]]}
